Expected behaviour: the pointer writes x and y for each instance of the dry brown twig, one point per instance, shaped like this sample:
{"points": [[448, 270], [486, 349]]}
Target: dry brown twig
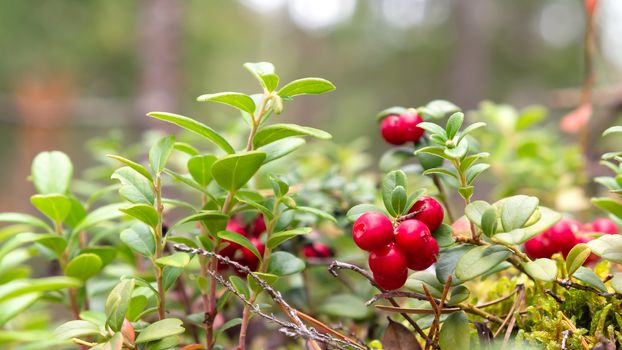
{"points": [[295, 328]]}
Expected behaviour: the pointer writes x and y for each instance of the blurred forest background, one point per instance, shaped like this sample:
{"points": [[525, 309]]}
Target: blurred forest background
{"points": [[71, 70]]}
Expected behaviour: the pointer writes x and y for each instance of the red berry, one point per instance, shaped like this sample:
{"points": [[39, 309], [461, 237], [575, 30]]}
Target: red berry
{"points": [[390, 128], [539, 247], [425, 258], [387, 261], [408, 126], [431, 212], [604, 225], [412, 236], [562, 235], [372, 231], [317, 250], [391, 282], [257, 227]]}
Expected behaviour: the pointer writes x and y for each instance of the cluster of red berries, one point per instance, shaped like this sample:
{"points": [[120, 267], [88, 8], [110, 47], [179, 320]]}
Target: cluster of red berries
{"points": [[564, 235], [317, 250], [253, 232], [397, 129], [393, 250]]}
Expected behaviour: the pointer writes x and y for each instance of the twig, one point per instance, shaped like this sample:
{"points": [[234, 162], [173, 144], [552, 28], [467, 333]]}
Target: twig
{"points": [[440, 308], [565, 335], [296, 327], [557, 298], [338, 265], [566, 283]]}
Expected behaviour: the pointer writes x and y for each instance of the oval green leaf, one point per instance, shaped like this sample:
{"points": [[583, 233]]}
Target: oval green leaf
{"points": [[234, 171]]}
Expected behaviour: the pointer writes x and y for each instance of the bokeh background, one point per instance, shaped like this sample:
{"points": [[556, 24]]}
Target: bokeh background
{"points": [[71, 70]]}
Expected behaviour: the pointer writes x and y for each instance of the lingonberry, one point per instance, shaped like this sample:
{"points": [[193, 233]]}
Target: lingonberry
{"points": [[408, 126], [391, 282], [562, 235], [424, 258], [412, 236], [390, 128], [430, 212], [387, 261], [372, 231], [539, 247], [317, 250], [257, 226], [604, 225]]}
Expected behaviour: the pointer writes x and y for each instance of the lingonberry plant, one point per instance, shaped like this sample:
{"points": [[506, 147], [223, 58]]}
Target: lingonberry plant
{"points": [[179, 240]]}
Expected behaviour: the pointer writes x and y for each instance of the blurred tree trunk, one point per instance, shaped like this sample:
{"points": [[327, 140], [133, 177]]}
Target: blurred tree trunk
{"points": [[468, 75], [159, 29]]}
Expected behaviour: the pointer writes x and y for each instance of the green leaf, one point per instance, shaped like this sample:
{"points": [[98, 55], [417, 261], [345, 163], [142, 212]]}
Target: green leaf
{"points": [[588, 277], [281, 148], [240, 285], [265, 74], [266, 277], [213, 220], [398, 200], [84, 266], [608, 247], [433, 150], [416, 281], [470, 128], [275, 132], [433, 129], [54, 241], [489, 221], [306, 86], [576, 257], [547, 219], [77, 212], [475, 211], [140, 239], [616, 282], [453, 124], [448, 260], [474, 171], [361, 209], [106, 254], [459, 151], [237, 100], [196, 127], [186, 180], [186, 148], [609, 205], [177, 259], [458, 295], [200, 168], [241, 240], [137, 167], [264, 210], [448, 172], [20, 287], [160, 329], [345, 305], [134, 187], [234, 171], [455, 332], [443, 236], [16, 306], [428, 161], [25, 219], [54, 206], [118, 302], [516, 211], [143, 212], [438, 109], [277, 238], [51, 172], [317, 212], [99, 215], [160, 152], [389, 182], [479, 260], [76, 329], [284, 264], [612, 130], [279, 186], [542, 269]]}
